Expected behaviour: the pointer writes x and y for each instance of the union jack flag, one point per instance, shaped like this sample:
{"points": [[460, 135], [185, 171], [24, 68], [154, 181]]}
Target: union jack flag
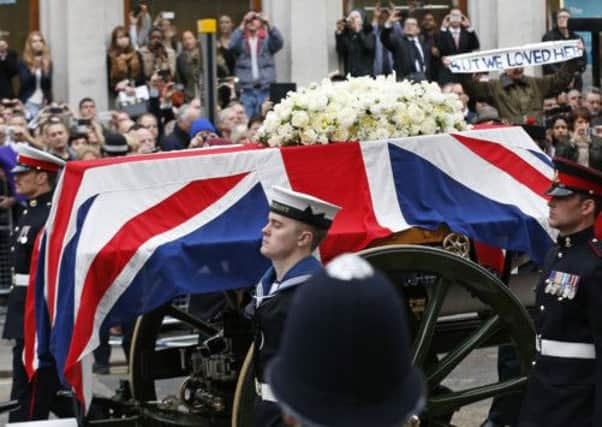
{"points": [[126, 235]]}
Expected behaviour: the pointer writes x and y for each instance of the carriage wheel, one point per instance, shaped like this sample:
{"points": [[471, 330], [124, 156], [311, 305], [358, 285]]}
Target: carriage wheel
{"points": [[501, 318]]}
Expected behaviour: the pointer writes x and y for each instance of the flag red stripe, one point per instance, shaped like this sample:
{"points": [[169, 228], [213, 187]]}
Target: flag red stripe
{"points": [[328, 172], [508, 161], [71, 182], [112, 258], [29, 327]]}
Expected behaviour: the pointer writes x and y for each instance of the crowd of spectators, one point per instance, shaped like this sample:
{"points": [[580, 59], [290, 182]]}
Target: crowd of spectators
{"points": [[152, 54], [414, 46]]}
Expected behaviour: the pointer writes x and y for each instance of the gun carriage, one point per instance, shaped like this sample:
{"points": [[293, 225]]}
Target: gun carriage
{"points": [[455, 306]]}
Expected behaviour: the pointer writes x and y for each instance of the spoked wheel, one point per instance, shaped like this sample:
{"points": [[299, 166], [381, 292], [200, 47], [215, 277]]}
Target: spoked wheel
{"points": [[149, 364], [454, 307]]}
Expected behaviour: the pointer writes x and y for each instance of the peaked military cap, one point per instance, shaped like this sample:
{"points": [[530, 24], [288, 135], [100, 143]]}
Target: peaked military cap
{"points": [[303, 207], [345, 360], [31, 158], [572, 178]]}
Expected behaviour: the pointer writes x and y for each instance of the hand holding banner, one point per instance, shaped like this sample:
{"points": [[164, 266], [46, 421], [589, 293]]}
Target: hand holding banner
{"points": [[515, 57]]}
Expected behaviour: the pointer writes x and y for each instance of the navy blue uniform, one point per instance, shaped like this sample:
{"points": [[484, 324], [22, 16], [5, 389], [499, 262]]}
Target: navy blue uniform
{"points": [[273, 300], [565, 383], [47, 384]]}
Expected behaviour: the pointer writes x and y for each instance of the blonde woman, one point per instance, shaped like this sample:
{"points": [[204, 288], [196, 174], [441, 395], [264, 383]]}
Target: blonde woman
{"points": [[35, 74]]}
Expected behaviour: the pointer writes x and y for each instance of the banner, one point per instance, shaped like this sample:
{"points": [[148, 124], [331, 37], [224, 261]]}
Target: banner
{"points": [[515, 57]]}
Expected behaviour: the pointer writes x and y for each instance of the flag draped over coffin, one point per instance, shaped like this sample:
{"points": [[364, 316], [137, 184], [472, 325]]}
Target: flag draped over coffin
{"points": [[126, 235]]}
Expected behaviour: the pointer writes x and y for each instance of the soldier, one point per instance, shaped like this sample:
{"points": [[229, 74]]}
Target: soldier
{"points": [[345, 353], [297, 223], [35, 177], [564, 383]]}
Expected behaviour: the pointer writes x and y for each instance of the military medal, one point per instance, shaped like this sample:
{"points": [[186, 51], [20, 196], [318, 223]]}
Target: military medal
{"points": [[563, 285]]}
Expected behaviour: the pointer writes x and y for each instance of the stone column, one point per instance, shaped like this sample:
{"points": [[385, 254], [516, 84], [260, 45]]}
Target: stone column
{"points": [[309, 45], [78, 33]]}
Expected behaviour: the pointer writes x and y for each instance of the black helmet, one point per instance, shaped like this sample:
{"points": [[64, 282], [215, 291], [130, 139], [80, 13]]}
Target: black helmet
{"points": [[345, 358]]}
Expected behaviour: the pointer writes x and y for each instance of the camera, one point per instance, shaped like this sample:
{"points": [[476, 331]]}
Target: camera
{"points": [[55, 110], [10, 131], [164, 74], [84, 122], [455, 18]]}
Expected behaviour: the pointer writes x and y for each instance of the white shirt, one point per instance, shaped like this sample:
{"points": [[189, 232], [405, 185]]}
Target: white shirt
{"points": [[254, 66], [416, 41], [38, 96], [455, 32]]}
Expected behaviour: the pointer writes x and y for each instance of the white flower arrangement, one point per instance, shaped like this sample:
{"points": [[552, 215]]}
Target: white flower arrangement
{"points": [[361, 109]]}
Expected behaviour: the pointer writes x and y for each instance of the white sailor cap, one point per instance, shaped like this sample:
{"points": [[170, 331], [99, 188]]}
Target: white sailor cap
{"points": [[303, 207], [30, 158]]}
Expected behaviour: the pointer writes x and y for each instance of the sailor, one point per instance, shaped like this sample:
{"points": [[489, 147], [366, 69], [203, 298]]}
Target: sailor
{"points": [[35, 177], [297, 223], [345, 357], [565, 383]]}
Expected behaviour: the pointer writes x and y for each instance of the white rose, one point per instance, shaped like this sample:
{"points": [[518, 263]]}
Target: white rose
{"points": [[428, 126], [274, 141], [271, 122], [308, 136], [416, 114], [347, 118], [318, 102], [299, 119], [340, 135]]}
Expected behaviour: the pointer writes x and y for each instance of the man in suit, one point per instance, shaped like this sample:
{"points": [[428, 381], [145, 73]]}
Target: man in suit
{"points": [[560, 32], [411, 57], [456, 36]]}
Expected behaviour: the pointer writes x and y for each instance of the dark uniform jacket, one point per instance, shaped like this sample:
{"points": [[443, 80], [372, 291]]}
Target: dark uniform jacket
{"points": [[567, 391], [271, 309], [31, 221]]}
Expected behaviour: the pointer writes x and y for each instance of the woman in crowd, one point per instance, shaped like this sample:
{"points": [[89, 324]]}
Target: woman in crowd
{"points": [[189, 67], [170, 34], [225, 31], [124, 64], [156, 57], [582, 147], [225, 58], [35, 74], [558, 133]]}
